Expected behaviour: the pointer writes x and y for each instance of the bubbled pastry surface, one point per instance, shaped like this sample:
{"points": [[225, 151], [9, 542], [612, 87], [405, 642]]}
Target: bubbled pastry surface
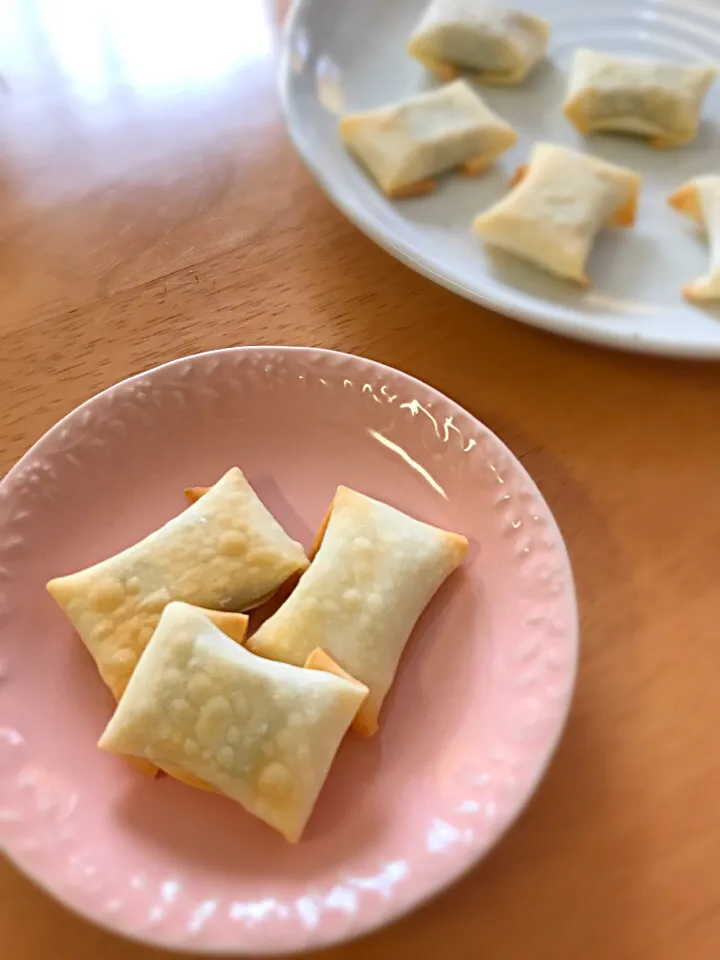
{"points": [[374, 573], [261, 732], [226, 551]]}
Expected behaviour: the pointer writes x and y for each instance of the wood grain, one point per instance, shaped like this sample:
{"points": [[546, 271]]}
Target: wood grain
{"points": [[152, 207]]}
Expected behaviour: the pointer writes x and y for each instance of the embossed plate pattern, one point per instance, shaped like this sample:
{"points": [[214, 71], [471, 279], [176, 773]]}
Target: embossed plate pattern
{"points": [[478, 707], [347, 55]]}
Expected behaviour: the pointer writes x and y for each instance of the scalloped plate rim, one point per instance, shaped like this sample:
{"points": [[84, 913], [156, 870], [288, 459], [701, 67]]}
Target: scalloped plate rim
{"points": [[444, 880]]}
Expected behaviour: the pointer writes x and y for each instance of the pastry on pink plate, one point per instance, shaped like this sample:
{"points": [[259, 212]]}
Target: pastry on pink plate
{"points": [[262, 733], [226, 551], [374, 572], [233, 625], [473, 715]]}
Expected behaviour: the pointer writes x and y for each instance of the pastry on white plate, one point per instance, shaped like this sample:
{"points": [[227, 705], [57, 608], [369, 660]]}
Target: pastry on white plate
{"points": [[406, 144], [655, 99], [498, 44], [374, 572], [699, 199], [558, 203], [225, 552], [262, 733]]}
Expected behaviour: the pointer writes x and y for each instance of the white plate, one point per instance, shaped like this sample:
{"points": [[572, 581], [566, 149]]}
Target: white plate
{"points": [[345, 55]]}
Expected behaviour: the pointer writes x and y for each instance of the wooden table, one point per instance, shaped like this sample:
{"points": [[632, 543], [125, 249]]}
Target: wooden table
{"points": [[151, 206]]}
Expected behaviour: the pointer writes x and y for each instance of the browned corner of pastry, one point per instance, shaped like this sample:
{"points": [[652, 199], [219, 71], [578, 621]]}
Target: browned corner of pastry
{"points": [[366, 719], [473, 168], [574, 117], [444, 72], [625, 215], [193, 494], [320, 659], [667, 143], [412, 189], [461, 545], [519, 175], [187, 778], [365, 722], [685, 201], [233, 625]]}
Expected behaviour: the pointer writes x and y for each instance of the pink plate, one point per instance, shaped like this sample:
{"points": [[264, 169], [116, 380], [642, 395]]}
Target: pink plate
{"points": [[477, 709]]}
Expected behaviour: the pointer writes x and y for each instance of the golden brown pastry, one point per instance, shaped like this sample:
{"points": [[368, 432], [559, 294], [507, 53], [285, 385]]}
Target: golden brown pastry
{"points": [[262, 733], [406, 144], [559, 202], [497, 44], [374, 572], [655, 99], [699, 199], [224, 552]]}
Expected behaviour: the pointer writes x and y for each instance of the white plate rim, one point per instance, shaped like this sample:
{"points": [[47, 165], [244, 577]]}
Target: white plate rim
{"points": [[412, 256]]}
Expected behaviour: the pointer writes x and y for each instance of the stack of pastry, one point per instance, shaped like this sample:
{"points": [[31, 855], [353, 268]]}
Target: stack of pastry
{"points": [[257, 719]]}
